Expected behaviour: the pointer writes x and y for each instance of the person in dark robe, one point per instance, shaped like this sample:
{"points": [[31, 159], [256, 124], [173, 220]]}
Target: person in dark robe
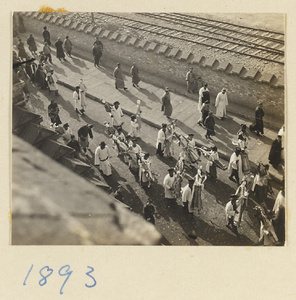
{"points": [[118, 76], [60, 51], [83, 134], [205, 108], [21, 26], [46, 36], [32, 45], [41, 77], [53, 113], [210, 125], [21, 48], [68, 46], [149, 211], [98, 43], [135, 75], [97, 54], [275, 152], [166, 103], [75, 145], [31, 68], [258, 126]]}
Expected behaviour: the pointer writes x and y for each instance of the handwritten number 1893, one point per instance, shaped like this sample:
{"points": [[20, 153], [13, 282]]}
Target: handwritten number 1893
{"points": [[45, 272]]}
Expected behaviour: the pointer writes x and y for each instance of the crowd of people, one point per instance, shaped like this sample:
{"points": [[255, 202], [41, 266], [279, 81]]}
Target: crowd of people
{"points": [[188, 165]]}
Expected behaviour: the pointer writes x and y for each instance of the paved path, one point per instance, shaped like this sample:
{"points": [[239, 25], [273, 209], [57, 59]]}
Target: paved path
{"points": [[100, 84]]}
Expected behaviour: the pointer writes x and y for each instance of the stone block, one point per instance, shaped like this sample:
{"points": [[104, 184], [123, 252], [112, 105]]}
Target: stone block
{"points": [[224, 66], [106, 33], [97, 31], [152, 46], [82, 27], [132, 41], [89, 29], [36, 14], [185, 55], [251, 74], [67, 23], [49, 17], [173, 53], [114, 36], [163, 49], [29, 13], [123, 39], [142, 44], [266, 78], [56, 20], [280, 83], [42, 16], [211, 62], [197, 59], [237, 69], [60, 21], [75, 25]]}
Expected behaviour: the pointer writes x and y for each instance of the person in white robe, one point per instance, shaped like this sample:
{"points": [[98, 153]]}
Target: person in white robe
{"points": [[235, 166], [102, 155], [221, 103], [82, 91], [139, 113], [168, 183], [161, 137], [77, 100], [187, 193], [134, 127], [52, 79], [116, 115]]}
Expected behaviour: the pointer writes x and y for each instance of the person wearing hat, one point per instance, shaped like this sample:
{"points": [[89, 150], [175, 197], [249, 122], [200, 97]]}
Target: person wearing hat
{"points": [[204, 95], [190, 78], [168, 184], [116, 115], [97, 52], [46, 36], [83, 134], [134, 127], [77, 100], [221, 103], [82, 91], [102, 155], [212, 158], [134, 153], [118, 76], [230, 211], [235, 166], [135, 75], [161, 137], [149, 211], [52, 80], [210, 126], [60, 51], [187, 194], [205, 108], [47, 52], [258, 126], [32, 44], [166, 106], [68, 46]]}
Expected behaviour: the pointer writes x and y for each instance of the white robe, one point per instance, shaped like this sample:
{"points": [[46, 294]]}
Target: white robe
{"points": [[134, 129], [234, 165], [168, 183], [187, 194], [117, 116], [82, 92], [221, 103], [77, 102], [160, 139], [102, 160], [229, 212], [211, 158]]}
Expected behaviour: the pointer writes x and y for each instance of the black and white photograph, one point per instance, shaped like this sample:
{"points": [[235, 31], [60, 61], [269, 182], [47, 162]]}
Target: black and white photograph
{"points": [[143, 128]]}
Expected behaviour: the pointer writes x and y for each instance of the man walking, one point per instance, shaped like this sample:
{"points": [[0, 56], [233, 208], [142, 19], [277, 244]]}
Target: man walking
{"points": [[47, 52], [221, 103], [46, 36], [82, 90], [168, 183], [102, 156], [135, 75], [83, 134], [230, 211], [77, 100], [68, 46], [161, 137], [190, 78], [118, 76], [235, 166], [204, 94], [166, 103], [259, 114], [97, 54]]}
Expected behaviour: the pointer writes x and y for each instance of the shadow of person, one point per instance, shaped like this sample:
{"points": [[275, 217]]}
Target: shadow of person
{"points": [[79, 63], [59, 70], [72, 68], [149, 95]]}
